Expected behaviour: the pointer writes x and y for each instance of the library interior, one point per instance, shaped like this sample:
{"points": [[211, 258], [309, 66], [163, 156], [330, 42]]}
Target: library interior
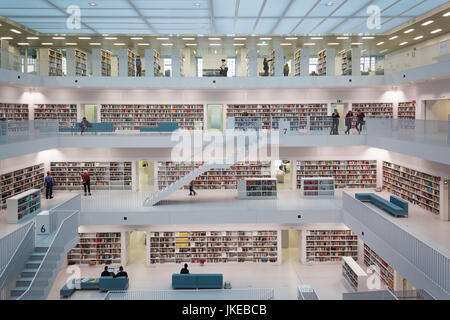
{"points": [[278, 150]]}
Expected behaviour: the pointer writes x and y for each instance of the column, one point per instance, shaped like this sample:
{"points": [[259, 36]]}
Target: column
{"points": [[304, 62], [149, 65], [96, 62], [252, 58], [331, 61], [356, 62], [279, 57], [123, 63], [4, 63], [43, 61], [176, 62], [444, 211], [70, 62]]}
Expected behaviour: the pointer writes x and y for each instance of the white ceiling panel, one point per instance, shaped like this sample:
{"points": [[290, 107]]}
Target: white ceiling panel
{"points": [[300, 7], [307, 25], [326, 25], [249, 8], [243, 25], [224, 25], [265, 25], [274, 8], [224, 8]]}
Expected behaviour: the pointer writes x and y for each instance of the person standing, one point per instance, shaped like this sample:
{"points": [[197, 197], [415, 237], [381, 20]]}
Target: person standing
{"points": [[49, 182], [348, 121], [86, 182], [224, 68], [286, 70], [266, 67], [191, 189], [335, 123], [138, 66], [360, 121]]}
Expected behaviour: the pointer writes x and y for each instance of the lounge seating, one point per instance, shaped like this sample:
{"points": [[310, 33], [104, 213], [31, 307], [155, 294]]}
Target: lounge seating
{"points": [[197, 281], [102, 284], [162, 127], [110, 283], [395, 206], [95, 127]]}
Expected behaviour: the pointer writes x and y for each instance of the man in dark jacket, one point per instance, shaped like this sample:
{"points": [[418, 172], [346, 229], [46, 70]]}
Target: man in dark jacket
{"points": [[84, 125], [49, 182], [121, 273], [185, 269], [266, 66]]}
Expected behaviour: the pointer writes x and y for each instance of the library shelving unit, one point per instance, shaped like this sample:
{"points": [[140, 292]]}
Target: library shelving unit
{"points": [[131, 63], [112, 175], [23, 205], [260, 246], [322, 63], [97, 249], [156, 63], [387, 273], [55, 62], [14, 111], [354, 275], [181, 64], [106, 63], [417, 187], [80, 63], [272, 64], [319, 124], [346, 173], [318, 187], [406, 110], [18, 181], [257, 189], [65, 113], [132, 117], [297, 61], [373, 110], [247, 123], [328, 246], [346, 63], [169, 172], [270, 114]]}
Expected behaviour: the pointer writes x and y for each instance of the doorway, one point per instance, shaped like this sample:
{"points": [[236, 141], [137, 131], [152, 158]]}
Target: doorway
{"points": [[137, 247], [341, 109], [437, 110], [90, 112], [282, 171], [290, 240], [146, 175], [215, 117]]}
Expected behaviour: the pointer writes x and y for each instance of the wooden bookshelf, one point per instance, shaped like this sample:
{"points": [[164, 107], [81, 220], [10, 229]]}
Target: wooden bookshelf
{"points": [[416, 187], [322, 63], [80, 63], [406, 110], [318, 187], [297, 62], [114, 175], [328, 246], [257, 189], [14, 111], [169, 172], [23, 205], [65, 113], [346, 173], [354, 275], [386, 273], [346, 65], [106, 63], [97, 249], [55, 62], [132, 117], [21, 180], [214, 247]]}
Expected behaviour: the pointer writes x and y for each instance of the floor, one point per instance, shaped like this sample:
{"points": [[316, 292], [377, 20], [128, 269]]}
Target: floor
{"points": [[325, 279]]}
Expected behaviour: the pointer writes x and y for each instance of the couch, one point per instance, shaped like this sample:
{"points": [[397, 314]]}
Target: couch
{"points": [[102, 284], [95, 127], [197, 281], [110, 283], [162, 127], [394, 206]]}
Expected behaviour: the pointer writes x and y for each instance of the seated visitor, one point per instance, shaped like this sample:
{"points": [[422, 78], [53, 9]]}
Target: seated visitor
{"points": [[121, 273], [185, 269], [107, 273]]}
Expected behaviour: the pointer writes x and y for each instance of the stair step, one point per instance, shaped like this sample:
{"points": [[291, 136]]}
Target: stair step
{"points": [[33, 264], [28, 272], [24, 281], [40, 249], [18, 291]]}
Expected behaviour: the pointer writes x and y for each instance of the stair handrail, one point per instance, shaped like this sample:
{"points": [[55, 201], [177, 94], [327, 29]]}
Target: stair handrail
{"points": [[68, 225]]}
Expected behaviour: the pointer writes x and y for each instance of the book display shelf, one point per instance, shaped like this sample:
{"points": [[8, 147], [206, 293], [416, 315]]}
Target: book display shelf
{"points": [[65, 113], [386, 273], [97, 249], [373, 110], [417, 187], [318, 187], [269, 115], [346, 173], [322, 63], [319, 124], [257, 189], [169, 172], [55, 62], [346, 57], [14, 111], [18, 181], [23, 205], [131, 63], [112, 175], [157, 64], [297, 62], [406, 110], [80, 63], [354, 275], [106, 63], [214, 247], [328, 246], [132, 117]]}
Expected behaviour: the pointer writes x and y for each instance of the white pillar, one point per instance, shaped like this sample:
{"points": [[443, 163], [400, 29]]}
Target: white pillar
{"points": [[331, 61], [96, 62], [70, 61], [4, 63], [444, 211], [149, 65], [43, 61], [304, 62], [175, 55], [356, 62], [123, 63], [252, 58], [279, 58]]}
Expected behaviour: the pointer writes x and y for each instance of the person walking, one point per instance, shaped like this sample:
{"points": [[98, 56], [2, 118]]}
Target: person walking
{"points": [[266, 66], [191, 189], [348, 121], [360, 121], [86, 182], [335, 123], [49, 182], [138, 66]]}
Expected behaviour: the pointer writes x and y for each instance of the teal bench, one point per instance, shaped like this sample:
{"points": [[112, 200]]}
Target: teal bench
{"points": [[102, 284], [197, 281], [110, 283], [95, 127], [395, 206], [162, 127]]}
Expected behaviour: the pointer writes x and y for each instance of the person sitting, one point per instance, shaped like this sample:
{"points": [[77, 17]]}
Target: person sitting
{"points": [[84, 125], [185, 269], [121, 273], [106, 273]]}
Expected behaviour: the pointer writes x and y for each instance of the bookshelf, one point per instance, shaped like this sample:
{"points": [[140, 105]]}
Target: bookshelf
{"points": [[417, 187], [272, 64], [354, 275], [97, 249], [260, 246], [112, 175], [297, 62], [318, 187], [319, 124], [346, 66], [373, 110], [65, 113], [322, 63], [106, 63], [387, 273], [55, 62], [80, 63], [23, 205], [131, 63], [346, 173], [169, 172], [257, 189], [406, 110], [132, 117], [18, 181], [181, 64], [156, 63], [14, 111]]}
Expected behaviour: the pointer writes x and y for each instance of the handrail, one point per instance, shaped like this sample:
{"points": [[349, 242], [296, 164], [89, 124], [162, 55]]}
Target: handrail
{"points": [[9, 243], [51, 251]]}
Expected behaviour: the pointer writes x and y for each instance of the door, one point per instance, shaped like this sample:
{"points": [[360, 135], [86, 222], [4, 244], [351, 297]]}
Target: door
{"points": [[90, 112], [341, 109], [146, 175], [215, 117], [137, 247]]}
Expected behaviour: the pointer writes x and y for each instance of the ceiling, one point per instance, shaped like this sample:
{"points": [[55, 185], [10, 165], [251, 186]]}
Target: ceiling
{"points": [[219, 17]]}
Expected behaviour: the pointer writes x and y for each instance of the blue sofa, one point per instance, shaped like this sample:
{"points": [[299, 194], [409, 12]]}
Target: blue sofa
{"points": [[110, 283], [162, 127], [197, 281], [395, 206], [102, 284], [95, 127]]}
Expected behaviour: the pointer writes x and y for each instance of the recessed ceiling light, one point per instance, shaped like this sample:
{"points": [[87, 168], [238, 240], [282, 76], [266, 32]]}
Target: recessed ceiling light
{"points": [[341, 38], [16, 31], [356, 43], [403, 43], [188, 38], [427, 23], [92, 4], [58, 38], [162, 38], [110, 38], [23, 44], [213, 39], [191, 44], [285, 44], [419, 37], [6, 38], [316, 38], [167, 44], [265, 38], [239, 44], [309, 44], [380, 43], [84, 38], [215, 44], [240, 38], [364, 50], [446, 14], [383, 51], [368, 38], [436, 31], [32, 38], [137, 38], [333, 43], [261, 44], [95, 43], [71, 43], [291, 38], [118, 43], [409, 30], [394, 37], [47, 43], [196, 4], [330, 3], [143, 44]]}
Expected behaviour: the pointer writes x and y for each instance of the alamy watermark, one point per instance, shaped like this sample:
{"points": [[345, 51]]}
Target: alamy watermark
{"points": [[73, 21], [374, 20]]}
